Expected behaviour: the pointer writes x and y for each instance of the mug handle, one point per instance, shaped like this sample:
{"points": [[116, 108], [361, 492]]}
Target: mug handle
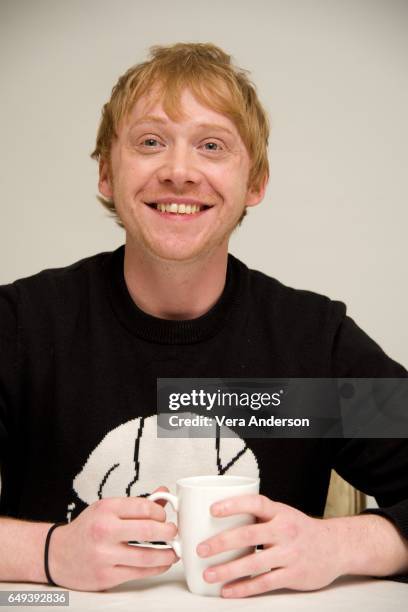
{"points": [[176, 543]]}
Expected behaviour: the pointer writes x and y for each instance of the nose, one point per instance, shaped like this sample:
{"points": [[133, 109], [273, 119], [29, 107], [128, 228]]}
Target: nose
{"points": [[178, 168]]}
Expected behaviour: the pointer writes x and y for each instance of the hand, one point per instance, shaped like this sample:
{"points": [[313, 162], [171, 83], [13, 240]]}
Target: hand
{"points": [[299, 552], [92, 554]]}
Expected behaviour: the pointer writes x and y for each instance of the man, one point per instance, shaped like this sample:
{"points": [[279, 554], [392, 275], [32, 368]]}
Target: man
{"points": [[182, 154]]}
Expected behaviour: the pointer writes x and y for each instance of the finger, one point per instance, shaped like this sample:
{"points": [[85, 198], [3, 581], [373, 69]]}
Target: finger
{"points": [[134, 508], [124, 573], [269, 581], [258, 505], [145, 531], [244, 566], [161, 502], [240, 537], [138, 556]]}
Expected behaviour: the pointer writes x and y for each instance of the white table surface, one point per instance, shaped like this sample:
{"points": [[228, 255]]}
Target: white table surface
{"points": [[169, 592]]}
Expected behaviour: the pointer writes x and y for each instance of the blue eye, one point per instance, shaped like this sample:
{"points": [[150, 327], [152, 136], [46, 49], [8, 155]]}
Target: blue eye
{"points": [[213, 145], [150, 140]]}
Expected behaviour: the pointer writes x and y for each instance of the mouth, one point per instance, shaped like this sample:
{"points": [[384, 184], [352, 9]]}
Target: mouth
{"points": [[174, 209]]}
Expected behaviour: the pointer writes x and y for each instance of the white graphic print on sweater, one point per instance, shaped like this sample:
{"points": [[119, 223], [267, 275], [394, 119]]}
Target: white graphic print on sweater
{"points": [[132, 461]]}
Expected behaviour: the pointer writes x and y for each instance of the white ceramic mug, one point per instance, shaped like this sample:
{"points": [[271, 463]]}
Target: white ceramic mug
{"points": [[192, 503]]}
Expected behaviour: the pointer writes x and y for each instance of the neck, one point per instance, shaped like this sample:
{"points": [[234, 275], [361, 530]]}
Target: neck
{"points": [[174, 289]]}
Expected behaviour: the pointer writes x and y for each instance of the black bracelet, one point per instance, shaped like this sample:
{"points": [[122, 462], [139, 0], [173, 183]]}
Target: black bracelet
{"points": [[47, 546]]}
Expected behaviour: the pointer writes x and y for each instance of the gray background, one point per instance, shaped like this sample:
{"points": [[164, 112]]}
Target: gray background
{"points": [[333, 76]]}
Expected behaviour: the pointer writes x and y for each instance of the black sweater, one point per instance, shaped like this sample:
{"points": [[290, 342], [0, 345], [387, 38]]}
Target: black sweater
{"points": [[78, 369]]}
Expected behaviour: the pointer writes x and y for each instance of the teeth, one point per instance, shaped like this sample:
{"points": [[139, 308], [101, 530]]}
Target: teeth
{"points": [[181, 209]]}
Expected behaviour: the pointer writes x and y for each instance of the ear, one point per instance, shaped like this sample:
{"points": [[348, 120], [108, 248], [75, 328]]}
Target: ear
{"points": [[105, 181], [255, 196]]}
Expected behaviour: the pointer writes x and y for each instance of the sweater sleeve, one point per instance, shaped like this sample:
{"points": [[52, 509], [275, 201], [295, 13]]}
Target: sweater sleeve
{"points": [[378, 467], [8, 362]]}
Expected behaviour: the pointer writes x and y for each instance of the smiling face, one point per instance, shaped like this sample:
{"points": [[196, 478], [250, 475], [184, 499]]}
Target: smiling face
{"points": [[179, 188]]}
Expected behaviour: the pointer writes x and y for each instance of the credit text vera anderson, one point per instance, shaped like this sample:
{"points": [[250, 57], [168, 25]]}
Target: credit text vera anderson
{"points": [[204, 421]]}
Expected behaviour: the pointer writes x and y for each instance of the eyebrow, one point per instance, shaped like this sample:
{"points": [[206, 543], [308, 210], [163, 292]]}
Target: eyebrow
{"points": [[161, 121]]}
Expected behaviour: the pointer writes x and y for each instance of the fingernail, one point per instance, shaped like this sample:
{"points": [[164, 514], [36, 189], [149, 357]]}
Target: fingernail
{"points": [[203, 550], [210, 575], [226, 592], [217, 510]]}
